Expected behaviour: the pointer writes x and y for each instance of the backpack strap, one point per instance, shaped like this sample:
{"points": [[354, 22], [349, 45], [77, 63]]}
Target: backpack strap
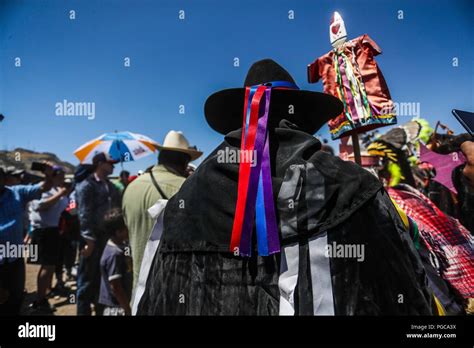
{"points": [[155, 183]]}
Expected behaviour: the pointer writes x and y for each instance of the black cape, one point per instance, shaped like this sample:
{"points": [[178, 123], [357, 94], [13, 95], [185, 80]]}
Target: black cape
{"points": [[193, 272]]}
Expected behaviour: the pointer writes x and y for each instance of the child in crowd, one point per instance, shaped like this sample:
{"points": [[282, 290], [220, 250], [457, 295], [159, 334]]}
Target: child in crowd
{"points": [[116, 267]]}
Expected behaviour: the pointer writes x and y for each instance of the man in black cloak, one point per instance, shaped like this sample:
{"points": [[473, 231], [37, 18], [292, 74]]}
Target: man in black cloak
{"points": [[344, 248]]}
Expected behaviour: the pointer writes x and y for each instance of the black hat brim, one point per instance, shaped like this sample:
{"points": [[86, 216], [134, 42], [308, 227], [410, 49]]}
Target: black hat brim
{"points": [[308, 110]]}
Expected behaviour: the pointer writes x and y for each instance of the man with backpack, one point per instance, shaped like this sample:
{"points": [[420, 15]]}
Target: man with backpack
{"points": [[161, 181]]}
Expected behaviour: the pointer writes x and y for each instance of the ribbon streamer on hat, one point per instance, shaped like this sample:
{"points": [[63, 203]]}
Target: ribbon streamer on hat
{"points": [[255, 193]]}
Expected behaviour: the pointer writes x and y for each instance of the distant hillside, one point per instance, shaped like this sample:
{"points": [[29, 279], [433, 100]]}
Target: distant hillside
{"points": [[22, 159]]}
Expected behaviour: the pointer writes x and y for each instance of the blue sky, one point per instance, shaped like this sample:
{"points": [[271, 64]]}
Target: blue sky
{"points": [[180, 62]]}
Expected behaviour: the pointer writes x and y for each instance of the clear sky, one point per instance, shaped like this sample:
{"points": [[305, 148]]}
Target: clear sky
{"points": [[180, 62]]}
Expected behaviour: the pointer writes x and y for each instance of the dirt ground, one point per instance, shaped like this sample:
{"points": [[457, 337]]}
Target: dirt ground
{"points": [[64, 303]]}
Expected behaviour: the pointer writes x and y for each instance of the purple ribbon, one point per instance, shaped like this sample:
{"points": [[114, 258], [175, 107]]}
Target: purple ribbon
{"points": [[260, 203], [272, 239], [246, 239]]}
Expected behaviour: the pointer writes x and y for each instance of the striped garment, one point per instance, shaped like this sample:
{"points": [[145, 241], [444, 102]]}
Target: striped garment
{"points": [[445, 237]]}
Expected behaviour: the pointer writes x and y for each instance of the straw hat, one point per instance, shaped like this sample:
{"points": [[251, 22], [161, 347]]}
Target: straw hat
{"points": [[176, 141]]}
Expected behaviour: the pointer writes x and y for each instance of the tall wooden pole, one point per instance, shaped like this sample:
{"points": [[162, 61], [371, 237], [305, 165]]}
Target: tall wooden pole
{"points": [[356, 147]]}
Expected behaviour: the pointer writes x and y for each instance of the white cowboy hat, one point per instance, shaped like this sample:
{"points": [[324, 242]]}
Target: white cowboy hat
{"points": [[176, 141]]}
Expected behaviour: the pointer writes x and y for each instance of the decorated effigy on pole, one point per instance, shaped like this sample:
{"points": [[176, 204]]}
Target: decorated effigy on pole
{"points": [[349, 72]]}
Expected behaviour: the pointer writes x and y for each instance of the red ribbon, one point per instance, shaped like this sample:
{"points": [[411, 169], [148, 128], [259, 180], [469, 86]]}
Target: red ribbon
{"points": [[246, 147]]}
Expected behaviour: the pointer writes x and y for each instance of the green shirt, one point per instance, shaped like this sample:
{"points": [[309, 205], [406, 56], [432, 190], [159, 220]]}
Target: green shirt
{"points": [[140, 195]]}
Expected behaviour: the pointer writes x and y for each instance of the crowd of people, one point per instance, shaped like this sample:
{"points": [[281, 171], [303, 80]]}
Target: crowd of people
{"points": [[78, 226], [417, 233]]}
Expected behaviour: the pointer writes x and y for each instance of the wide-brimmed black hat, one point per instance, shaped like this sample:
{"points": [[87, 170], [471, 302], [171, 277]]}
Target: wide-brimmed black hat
{"points": [[308, 110]]}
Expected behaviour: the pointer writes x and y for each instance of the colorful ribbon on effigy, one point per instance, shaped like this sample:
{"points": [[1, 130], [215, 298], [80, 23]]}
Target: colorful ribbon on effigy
{"points": [[255, 194], [351, 90]]}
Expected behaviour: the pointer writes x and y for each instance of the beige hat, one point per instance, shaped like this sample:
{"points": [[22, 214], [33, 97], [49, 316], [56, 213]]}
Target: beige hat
{"points": [[176, 141]]}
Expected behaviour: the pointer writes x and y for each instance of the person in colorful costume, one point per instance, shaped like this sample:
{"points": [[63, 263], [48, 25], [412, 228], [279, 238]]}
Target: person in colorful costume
{"points": [[445, 245], [219, 256], [398, 149], [449, 243]]}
